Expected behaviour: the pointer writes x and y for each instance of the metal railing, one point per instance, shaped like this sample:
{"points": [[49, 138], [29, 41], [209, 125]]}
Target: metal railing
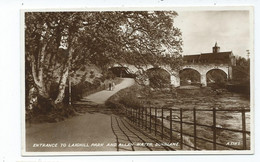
{"points": [[162, 123]]}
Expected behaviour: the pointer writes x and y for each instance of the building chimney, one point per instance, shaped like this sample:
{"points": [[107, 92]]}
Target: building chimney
{"points": [[216, 48]]}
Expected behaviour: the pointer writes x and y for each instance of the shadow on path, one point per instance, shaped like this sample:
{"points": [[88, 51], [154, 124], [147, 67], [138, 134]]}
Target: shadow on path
{"points": [[130, 138], [96, 128]]}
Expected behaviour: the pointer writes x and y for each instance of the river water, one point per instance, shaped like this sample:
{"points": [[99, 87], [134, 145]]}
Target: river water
{"points": [[206, 99]]}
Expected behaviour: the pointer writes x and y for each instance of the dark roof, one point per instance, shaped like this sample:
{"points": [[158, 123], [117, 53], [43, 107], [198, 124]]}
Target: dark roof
{"points": [[191, 57], [223, 57]]}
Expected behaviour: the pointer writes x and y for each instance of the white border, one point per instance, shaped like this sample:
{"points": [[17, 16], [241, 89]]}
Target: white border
{"points": [[179, 8]]}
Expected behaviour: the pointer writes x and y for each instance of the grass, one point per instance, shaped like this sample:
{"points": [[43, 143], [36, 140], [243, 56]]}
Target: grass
{"points": [[127, 97]]}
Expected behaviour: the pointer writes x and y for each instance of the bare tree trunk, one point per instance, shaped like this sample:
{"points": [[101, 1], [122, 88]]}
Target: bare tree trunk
{"points": [[64, 78], [37, 72], [62, 85]]}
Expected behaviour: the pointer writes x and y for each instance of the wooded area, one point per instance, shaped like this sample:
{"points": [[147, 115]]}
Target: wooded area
{"points": [[58, 44]]}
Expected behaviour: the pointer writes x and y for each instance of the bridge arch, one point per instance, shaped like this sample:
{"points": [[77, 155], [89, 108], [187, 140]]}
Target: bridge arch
{"points": [[223, 69], [189, 76], [204, 69], [219, 76], [158, 77], [121, 71]]}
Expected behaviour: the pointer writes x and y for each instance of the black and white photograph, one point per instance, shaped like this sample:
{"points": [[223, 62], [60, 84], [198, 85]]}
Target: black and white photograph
{"points": [[137, 81]]}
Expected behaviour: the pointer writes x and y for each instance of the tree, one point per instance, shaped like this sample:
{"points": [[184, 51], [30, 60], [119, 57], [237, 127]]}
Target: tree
{"points": [[158, 78], [241, 72], [60, 43]]}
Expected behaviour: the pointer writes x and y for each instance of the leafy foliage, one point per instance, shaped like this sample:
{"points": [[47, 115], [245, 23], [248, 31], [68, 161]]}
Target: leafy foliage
{"points": [[57, 44], [158, 78]]}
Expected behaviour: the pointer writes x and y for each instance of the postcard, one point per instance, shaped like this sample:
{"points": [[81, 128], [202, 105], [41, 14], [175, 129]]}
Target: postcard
{"points": [[131, 81]]}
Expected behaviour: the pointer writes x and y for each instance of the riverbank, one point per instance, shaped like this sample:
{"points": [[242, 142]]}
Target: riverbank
{"points": [[189, 100]]}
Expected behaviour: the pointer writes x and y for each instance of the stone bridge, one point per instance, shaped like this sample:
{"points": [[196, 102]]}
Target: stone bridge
{"points": [[202, 63], [202, 69]]}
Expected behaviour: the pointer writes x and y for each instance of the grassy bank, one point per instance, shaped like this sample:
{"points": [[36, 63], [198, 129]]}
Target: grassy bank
{"points": [[127, 97]]}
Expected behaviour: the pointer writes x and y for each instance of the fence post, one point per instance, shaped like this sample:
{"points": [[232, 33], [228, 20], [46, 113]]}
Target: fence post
{"points": [[155, 121], [150, 120], [126, 112], [244, 128], [171, 125], [181, 128], [132, 112], [142, 117], [139, 110], [162, 123], [133, 115], [145, 118], [136, 118], [214, 129], [142, 114], [195, 125]]}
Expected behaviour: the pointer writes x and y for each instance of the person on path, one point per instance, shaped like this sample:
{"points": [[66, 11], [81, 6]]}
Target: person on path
{"points": [[113, 85], [109, 86]]}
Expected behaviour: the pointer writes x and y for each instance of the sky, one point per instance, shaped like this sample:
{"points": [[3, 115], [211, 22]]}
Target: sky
{"points": [[201, 29]]}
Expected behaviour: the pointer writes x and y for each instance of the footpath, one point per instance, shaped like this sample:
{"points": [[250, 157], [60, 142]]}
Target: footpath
{"points": [[98, 129], [102, 96]]}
